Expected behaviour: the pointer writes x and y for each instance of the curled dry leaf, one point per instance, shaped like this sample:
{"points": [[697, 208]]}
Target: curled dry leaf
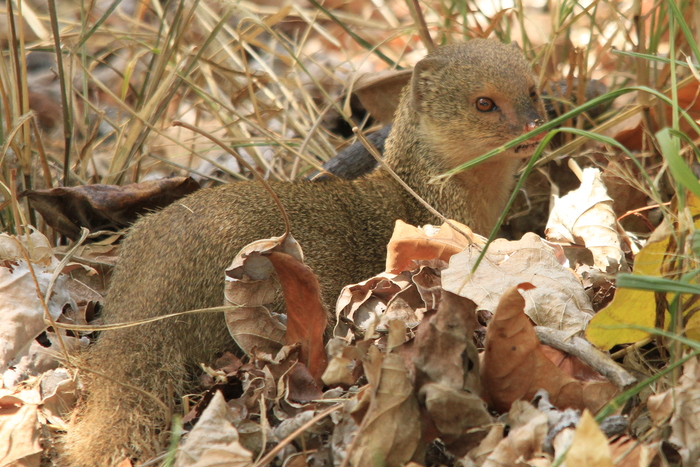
{"points": [[214, 440], [251, 284], [447, 374], [585, 217], [21, 311], [558, 301], [105, 207], [398, 294], [364, 304], [514, 367], [680, 405], [409, 243], [528, 428], [590, 446], [19, 431], [380, 92], [391, 428]]}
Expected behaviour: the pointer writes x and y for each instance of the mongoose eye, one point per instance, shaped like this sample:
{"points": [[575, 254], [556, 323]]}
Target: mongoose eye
{"points": [[484, 104], [533, 95]]}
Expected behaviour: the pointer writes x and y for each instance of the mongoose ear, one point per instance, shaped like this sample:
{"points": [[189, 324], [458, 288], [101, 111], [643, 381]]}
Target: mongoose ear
{"points": [[516, 46], [423, 75]]}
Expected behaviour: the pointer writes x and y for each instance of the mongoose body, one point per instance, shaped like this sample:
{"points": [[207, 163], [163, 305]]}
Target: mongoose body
{"points": [[464, 100]]}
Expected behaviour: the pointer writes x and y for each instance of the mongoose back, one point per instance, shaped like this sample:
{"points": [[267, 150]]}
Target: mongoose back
{"points": [[463, 100]]}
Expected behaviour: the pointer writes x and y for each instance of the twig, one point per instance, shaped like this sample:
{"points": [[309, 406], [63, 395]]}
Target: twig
{"points": [[587, 353], [419, 19], [274, 451]]}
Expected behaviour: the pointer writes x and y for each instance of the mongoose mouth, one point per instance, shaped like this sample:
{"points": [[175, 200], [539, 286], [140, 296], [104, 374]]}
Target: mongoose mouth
{"points": [[526, 147]]}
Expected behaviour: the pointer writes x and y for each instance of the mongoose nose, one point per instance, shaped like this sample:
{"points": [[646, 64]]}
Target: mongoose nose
{"points": [[532, 125]]}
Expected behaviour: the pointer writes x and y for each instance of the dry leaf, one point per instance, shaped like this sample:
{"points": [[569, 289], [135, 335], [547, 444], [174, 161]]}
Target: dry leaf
{"points": [[301, 384], [21, 311], [214, 440], [514, 368], [59, 394], [391, 429], [479, 454], [380, 92], [409, 243], [365, 303], [527, 433], [36, 245], [590, 446], [585, 217], [447, 374], [629, 452], [570, 365], [19, 432], [307, 319], [558, 301], [251, 285], [105, 207], [343, 369], [681, 405]]}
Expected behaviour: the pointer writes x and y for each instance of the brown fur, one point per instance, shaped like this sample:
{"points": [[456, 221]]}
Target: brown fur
{"points": [[174, 260]]}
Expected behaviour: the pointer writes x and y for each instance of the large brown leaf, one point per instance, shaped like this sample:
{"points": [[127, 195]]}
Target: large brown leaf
{"points": [[252, 285], [447, 374], [105, 207], [514, 366]]}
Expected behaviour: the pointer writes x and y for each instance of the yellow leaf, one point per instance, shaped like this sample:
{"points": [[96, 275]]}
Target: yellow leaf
{"points": [[637, 307], [590, 446]]}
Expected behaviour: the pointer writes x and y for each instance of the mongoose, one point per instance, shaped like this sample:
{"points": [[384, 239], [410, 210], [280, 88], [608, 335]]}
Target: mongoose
{"points": [[463, 100]]}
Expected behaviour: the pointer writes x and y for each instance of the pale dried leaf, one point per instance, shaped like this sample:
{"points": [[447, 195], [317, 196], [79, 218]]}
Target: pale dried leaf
{"points": [[21, 311], [214, 440], [252, 284], [590, 446], [558, 301], [479, 454], [36, 244], [19, 433], [391, 429], [59, 392], [380, 92], [36, 359], [681, 404], [585, 217], [524, 440]]}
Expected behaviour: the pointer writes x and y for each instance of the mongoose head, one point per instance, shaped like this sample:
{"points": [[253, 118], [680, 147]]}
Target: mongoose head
{"points": [[475, 96]]}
